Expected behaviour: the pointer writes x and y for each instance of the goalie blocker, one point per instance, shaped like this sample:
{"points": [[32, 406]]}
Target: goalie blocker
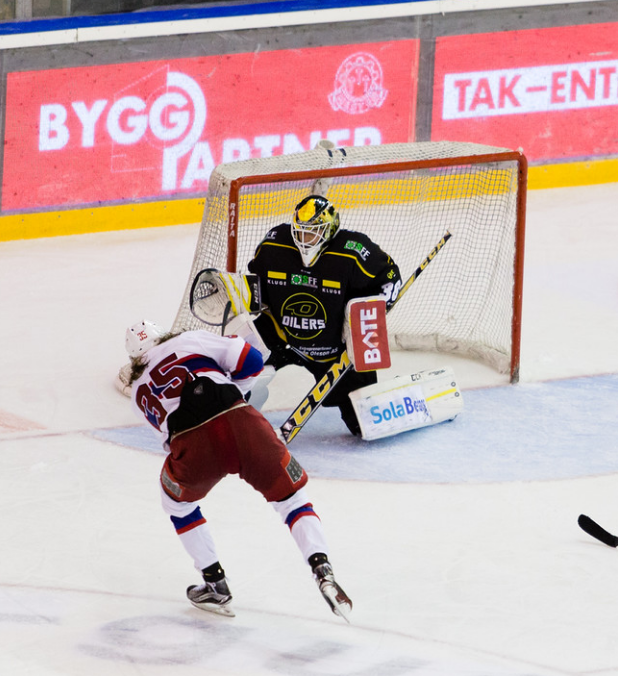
{"points": [[365, 333], [407, 403]]}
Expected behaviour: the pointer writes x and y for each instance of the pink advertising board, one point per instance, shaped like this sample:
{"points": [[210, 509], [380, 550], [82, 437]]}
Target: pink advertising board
{"points": [[551, 91], [148, 130]]}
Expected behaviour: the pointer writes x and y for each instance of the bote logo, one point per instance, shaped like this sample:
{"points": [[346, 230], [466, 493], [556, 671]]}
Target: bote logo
{"points": [[358, 85], [303, 316]]}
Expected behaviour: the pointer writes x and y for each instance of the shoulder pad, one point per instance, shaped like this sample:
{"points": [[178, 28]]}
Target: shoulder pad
{"points": [[355, 242], [278, 233]]}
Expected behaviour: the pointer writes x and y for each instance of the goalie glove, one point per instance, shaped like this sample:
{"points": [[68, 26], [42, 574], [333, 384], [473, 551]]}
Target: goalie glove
{"points": [[218, 296]]}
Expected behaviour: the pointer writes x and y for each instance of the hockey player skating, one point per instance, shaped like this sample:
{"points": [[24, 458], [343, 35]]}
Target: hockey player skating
{"points": [[191, 388], [308, 272]]}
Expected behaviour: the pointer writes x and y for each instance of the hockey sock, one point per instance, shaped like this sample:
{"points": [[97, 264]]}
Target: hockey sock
{"points": [[195, 537], [305, 527]]}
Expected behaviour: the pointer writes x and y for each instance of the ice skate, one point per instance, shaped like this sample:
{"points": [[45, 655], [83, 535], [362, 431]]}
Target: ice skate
{"points": [[212, 596], [336, 598]]}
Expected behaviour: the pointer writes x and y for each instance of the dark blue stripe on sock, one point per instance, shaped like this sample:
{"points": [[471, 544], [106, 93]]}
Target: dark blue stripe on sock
{"points": [[295, 514], [183, 522]]}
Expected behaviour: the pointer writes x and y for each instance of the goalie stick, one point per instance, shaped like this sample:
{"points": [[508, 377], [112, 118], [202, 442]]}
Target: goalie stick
{"points": [[313, 400], [592, 528]]}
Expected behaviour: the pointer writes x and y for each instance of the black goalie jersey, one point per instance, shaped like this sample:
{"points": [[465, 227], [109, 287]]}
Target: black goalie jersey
{"points": [[307, 304]]}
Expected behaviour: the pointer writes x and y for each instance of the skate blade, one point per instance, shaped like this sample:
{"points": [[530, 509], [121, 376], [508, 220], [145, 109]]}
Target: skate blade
{"points": [[339, 608], [225, 610]]}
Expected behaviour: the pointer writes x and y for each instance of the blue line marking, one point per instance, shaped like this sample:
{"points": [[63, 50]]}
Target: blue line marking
{"points": [[139, 437], [187, 14], [528, 432]]}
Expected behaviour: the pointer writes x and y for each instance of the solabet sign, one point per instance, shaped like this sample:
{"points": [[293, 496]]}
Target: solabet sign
{"points": [[90, 135], [552, 91]]}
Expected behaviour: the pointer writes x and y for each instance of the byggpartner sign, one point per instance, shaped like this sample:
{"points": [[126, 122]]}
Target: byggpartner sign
{"points": [[155, 129], [553, 91]]}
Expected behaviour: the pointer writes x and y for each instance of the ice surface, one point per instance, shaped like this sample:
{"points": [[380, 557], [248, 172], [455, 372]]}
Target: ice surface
{"points": [[458, 544]]}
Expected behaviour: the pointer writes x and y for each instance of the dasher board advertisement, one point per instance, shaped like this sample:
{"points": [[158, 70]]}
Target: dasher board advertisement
{"points": [[148, 130], [551, 91]]}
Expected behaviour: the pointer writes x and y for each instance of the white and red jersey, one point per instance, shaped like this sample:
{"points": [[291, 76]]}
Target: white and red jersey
{"points": [[171, 364]]}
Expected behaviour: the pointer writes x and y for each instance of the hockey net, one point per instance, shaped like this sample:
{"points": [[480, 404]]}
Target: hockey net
{"points": [[405, 197]]}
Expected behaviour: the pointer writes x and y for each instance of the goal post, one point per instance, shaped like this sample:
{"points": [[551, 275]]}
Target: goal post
{"points": [[404, 197]]}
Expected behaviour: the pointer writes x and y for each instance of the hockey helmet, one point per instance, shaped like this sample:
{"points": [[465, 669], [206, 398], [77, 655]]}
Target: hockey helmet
{"points": [[141, 337], [314, 224]]}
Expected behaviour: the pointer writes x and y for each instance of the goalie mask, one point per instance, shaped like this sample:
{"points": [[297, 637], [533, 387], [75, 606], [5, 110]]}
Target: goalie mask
{"points": [[314, 224], [141, 337]]}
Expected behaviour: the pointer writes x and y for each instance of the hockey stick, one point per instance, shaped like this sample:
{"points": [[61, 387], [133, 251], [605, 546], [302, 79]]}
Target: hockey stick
{"points": [[313, 400], [592, 528]]}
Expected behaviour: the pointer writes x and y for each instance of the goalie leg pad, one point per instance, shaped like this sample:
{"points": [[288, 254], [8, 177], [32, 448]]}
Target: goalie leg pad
{"points": [[406, 403]]}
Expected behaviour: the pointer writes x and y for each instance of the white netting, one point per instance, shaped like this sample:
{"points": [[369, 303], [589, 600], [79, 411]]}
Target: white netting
{"points": [[463, 301]]}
